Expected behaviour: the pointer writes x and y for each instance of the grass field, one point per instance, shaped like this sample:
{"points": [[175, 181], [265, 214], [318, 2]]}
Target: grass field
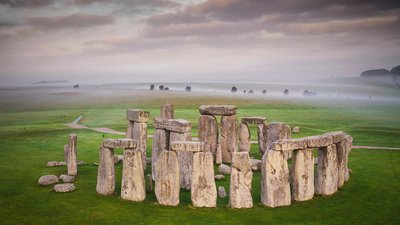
{"points": [[32, 132]]}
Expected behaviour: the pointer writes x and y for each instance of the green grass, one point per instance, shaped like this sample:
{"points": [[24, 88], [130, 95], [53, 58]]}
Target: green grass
{"points": [[31, 136]]}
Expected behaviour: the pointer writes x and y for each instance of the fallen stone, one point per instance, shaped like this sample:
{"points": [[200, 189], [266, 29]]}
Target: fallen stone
{"points": [[228, 137], [203, 189], [167, 179], [296, 130], [55, 163], [66, 178], [255, 164], [133, 184], [319, 141], [221, 110], [137, 115], [244, 138], [327, 172], [72, 166], [175, 125], [82, 163], [219, 177], [48, 180], [188, 146], [240, 183], [208, 132], [167, 111], [106, 172], [224, 169], [62, 188], [140, 135], [302, 174], [275, 185], [253, 120], [221, 192], [185, 160], [160, 143]]}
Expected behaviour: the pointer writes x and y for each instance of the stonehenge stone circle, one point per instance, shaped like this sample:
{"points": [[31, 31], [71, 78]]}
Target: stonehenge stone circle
{"points": [[175, 125], [240, 183], [133, 184], [203, 189], [72, 161], [253, 120], [220, 110], [167, 186]]}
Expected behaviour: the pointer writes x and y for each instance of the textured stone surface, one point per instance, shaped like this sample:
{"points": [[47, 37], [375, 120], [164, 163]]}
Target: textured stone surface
{"points": [[343, 148], [72, 162], [149, 183], [240, 183], [167, 179], [349, 144], [319, 141], [118, 158], [219, 177], [188, 146], [133, 184], [175, 125], [66, 147], [129, 130], [262, 138], [167, 111], [296, 130], [253, 120], [288, 144], [67, 178], [106, 172], [276, 131], [140, 135], [185, 160], [119, 143], [224, 169], [327, 172], [218, 157], [221, 192], [48, 180], [337, 136], [55, 163], [302, 174], [228, 138], [275, 185], [244, 138], [255, 164], [66, 187], [137, 115], [203, 190], [222, 110], [208, 132], [160, 143]]}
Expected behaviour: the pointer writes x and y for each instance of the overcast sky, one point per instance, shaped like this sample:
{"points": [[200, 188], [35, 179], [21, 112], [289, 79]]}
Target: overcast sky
{"points": [[194, 40]]}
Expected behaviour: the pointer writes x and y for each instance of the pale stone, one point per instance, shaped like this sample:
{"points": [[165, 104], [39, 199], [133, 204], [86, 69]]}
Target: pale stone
{"points": [[106, 172], [253, 120], [72, 162], [349, 144], [167, 179], [296, 130], [218, 157], [118, 158], [188, 146], [341, 155], [160, 143], [319, 141], [240, 183], [167, 111], [224, 169], [120, 143], [185, 160], [175, 125], [327, 173], [66, 178], [62, 188], [203, 189], [288, 144], [208, 132], [302, 174], [219, 177], [133, 184], [48, 180], [137, 115], [222, 110], [337, 136], [275, 185], [149, 183], [262, 138], [277, 131], [140, 135], [255, 164], [66, 147], [228, 137], [244, 138], [129, 131], [55, 163], [221, 192], [111, 143]]}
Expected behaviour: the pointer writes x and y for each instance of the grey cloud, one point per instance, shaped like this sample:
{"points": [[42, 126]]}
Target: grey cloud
{"points": [[27, 3], [71, 21], [128, 3]]}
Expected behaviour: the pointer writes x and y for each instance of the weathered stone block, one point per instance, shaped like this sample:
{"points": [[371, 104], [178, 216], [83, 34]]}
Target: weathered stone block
{"points": [[175, 125], [129, 131], [255, 164], [48, 180], [167, 111], [160, 143], [203, 189], [133, 184], [106, 172], [208, 132], [140, 135], [244, 138], [253, 120], [228, 137], [224, 169], [289, 144], [222, 110], [262, 138], [167, 179], [62, 188], [319, 141], [185, 160], [188, 146], [72, 162], [137, 115], [337, 136], [302, 175], [240, 183], [327, 172]]}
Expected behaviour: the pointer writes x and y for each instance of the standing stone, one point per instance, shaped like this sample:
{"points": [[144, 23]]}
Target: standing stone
{"points": [[160, 143], [224, 169], [208, 132], [262, 138], [167, 111], [221, 192], [72, 165], [349, 144], [149, 183], [167, 179], [302, 182], [203, 189], [140, 134], [240, 184], [185, 160], [133, 184], [275, 185], [277, 131], [218, 157], [341, 156], [228, 137], [66, 147], [106, 172], [327, 172], [129, 131], [244, 138]]}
